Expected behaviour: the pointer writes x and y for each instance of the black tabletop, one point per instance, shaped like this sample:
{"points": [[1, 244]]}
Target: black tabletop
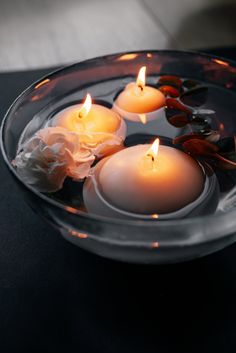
{"points": [[56, 298]]}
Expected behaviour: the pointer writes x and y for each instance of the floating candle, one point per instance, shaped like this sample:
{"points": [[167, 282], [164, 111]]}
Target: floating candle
{"points": [[138, 99], [95, 123], [138, 181]]}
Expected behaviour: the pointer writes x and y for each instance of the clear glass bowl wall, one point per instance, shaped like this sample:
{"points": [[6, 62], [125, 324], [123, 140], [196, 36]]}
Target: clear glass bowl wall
{"points": [[126, 240]]}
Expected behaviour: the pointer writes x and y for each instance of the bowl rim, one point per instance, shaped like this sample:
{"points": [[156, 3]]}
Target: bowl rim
{"points": [[110, 220]]}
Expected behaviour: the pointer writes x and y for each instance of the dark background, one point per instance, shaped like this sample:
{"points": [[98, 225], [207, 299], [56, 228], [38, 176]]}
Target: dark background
{"points": [[55, 297]]}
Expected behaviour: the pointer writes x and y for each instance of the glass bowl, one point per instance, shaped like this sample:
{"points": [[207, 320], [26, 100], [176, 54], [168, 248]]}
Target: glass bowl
{"points": [[138, 241]]}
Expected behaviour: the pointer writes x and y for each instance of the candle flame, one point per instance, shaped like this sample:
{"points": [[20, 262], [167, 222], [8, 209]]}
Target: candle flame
{"points": [[84, 110], [141, 79], [153, 150], [143, 118]]}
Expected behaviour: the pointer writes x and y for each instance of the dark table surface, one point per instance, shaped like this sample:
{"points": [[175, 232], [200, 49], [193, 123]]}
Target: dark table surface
{"points": [[56, 298]]}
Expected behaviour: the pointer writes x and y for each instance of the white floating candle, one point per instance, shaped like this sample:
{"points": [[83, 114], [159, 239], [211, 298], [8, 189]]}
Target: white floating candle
{"points": [[137, 101], [137, 181], [95, 123]]}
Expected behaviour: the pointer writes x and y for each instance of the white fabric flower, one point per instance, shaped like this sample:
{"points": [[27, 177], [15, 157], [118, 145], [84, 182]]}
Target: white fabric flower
{"points": [[101, 144], [52, 154]]}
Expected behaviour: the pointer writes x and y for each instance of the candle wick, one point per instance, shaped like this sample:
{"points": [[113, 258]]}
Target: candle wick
{"points": [[141, 87], [152, 157], [81, 115]]}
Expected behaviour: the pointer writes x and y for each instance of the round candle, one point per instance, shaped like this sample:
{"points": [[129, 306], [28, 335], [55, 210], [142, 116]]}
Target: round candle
{"points": [[94, 122], [139, 181], [139, 98]]}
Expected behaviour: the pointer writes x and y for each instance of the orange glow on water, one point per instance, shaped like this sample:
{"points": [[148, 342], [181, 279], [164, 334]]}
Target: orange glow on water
{"points": [[40, 84], [127, 57], [221, 62], [143, 118], [221, 127], [155, 216], [78, 234], [71, 209], [155, 245]]}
